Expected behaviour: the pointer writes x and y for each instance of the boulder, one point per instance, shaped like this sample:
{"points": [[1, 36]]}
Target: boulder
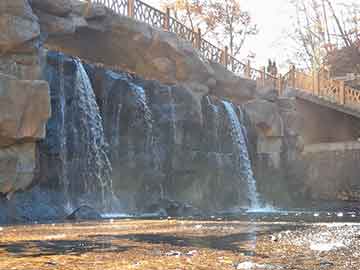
{"points": [[231, 86], [55, 25], [168, 207], [56, 7], [22, 66], [84, 213], [24, 109], [19, 8], [89, 11], [148, 52], [15, 31], [17, 165], [265, 117]]}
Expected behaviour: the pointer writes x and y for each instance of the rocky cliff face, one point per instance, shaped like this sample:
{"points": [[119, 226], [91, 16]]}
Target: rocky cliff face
{"points": [[24, 97], [182, 129], [158, 145]]}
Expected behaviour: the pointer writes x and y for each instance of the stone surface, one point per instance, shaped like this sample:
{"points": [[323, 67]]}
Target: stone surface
{"points": [[20, 8], [16, 31], [17, 165], [149, 52], [55, 25], [23, 66], [58, 7], [24, 109], [84, 213], [331, 171], [229, 85], [265, 117]]}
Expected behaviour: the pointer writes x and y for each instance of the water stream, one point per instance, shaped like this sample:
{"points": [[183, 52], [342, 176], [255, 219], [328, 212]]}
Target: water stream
{"points": [[242, 155]]}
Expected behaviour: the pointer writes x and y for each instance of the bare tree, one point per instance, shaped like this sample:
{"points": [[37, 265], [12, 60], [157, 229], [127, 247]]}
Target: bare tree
{"points": [[323, 27], [223, 21]]}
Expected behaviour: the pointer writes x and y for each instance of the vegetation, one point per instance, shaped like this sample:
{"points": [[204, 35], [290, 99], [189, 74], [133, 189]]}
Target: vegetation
{"points": [[223, 21], [324, 29]]}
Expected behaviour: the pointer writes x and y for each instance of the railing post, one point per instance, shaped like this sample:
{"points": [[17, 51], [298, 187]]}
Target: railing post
{"points": [[248, 69], [279, 85], [263, 76], [167, 19], [317, 83], [342, 92], [225, 57], [131, 8], [292, 76], [198, 39]]}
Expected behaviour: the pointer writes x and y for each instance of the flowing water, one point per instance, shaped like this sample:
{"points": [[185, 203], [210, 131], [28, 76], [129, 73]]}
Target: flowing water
{"points": [[242, 155], [75, 132]]}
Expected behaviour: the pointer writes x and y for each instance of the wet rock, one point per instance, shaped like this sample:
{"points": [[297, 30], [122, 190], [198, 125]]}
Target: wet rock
{"points": [[33, 205], [24, 109], [84, 213], [173, 208], [17, 165]]}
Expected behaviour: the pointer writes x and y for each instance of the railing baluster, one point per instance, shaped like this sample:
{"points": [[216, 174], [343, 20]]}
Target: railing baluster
{"points": [[131, 8]]}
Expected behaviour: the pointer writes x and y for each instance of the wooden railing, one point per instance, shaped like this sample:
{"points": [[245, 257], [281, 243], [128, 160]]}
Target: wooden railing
{"points": [[320, 84], [141, 11]]}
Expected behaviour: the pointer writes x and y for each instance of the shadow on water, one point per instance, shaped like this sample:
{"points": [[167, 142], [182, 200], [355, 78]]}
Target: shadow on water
{"points": [[38, 248], [243, 242]]}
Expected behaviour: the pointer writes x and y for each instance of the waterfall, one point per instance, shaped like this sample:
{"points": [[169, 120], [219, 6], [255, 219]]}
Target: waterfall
{"points": [[62, 134], [74, 155], [242, 155], [87, 132]]}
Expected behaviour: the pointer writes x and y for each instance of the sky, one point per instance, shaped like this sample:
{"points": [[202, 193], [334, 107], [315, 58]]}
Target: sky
{"points": [[273, 18]]}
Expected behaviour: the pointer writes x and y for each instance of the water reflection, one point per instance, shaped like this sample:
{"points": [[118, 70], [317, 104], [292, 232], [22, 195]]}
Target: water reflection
{"points": [[276, 240]]}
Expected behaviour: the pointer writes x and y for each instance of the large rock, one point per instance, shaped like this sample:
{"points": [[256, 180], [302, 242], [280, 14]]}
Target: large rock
{"points": [[265, 117], [15, 31], [24, 109], [56, 7], [17, 164], [20, 8], [133, 46], [232, 86], [55, 25]]}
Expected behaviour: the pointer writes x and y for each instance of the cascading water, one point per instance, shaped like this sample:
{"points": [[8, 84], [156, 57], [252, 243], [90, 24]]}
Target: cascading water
{"points": [[62, 136], [88, 131], [242, 155], [75, 147]]}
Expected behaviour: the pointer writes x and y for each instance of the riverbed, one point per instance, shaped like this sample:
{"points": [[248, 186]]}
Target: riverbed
{"points": [[251, 241]]}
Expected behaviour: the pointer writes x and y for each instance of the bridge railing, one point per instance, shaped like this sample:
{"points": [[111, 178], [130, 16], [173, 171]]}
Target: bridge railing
{"points": [[141, 11], [320, 84]]}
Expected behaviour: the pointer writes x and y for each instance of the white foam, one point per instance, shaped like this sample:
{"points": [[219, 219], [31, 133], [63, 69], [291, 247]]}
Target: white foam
{"points": [[326, 246], [116, 215]]}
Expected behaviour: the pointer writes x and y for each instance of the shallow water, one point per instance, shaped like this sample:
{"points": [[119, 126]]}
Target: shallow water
{"points": [[278, 240]]}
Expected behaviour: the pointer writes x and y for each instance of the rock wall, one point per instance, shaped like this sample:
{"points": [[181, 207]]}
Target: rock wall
{"points": [[332, 171], [164, 131], [24, 97]]}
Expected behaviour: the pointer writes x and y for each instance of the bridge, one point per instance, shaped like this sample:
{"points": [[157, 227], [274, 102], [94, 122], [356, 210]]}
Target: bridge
{"points": [[317, 88]]}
